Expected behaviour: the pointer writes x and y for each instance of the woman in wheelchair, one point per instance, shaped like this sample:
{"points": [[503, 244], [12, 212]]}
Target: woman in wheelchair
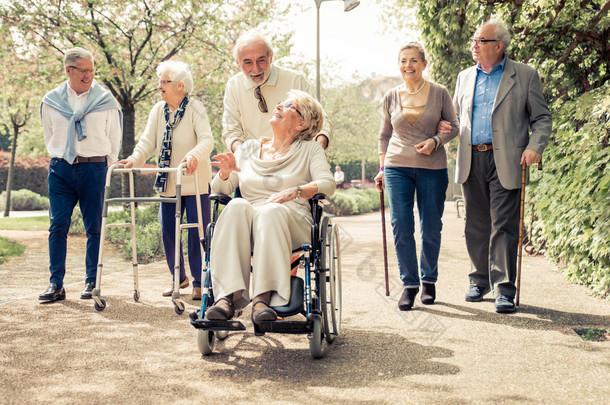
{"points": [[254, 235]]}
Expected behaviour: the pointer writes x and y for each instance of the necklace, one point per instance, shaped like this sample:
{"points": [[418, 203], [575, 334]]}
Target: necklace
{"points": [[416, 91], [280, 152]]}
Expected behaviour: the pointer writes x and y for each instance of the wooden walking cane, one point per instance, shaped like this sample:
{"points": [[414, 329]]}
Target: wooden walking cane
{"points": [[519, 257], [385, 246]]}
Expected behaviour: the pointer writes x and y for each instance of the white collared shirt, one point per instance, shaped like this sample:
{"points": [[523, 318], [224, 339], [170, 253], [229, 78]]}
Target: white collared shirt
{"points": [[104, 133]]}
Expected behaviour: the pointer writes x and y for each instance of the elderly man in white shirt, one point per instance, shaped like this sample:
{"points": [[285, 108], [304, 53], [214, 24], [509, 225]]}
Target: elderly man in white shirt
{"points": [[252, 94], [82, 125]]}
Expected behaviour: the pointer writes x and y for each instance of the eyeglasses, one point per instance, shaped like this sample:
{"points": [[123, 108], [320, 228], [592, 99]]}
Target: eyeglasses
{"points": [[479, 42], [164, 82], [83, 71], [262, 104], [289, 106]]}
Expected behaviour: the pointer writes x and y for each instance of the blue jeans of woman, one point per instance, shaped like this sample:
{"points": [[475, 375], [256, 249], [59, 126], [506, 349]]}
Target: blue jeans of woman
{"points": [[167, 217], [402, 184]]}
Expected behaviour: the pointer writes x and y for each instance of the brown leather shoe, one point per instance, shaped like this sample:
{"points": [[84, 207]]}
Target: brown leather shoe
{"points": [[261, 311], [196, 294], [170, 290], [222, 310]]}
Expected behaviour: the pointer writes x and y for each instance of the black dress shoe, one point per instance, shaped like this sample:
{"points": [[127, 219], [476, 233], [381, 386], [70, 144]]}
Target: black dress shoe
{"points": [[428, 293], [87, 293], [504, 304], [53, 293], [475, 293], [407, 299]]}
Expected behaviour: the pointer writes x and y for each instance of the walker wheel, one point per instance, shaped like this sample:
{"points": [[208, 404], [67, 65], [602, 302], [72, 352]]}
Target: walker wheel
{"points": [[101, 306], [136, 296], [179, 308]]}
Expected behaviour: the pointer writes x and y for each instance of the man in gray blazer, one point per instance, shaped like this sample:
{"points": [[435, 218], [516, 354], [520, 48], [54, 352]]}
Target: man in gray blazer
{"points": [[504, 123]]}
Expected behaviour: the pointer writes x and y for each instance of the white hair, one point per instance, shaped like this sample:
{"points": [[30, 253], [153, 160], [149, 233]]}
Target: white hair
{"points": [[502, 33], [249, 37], [178, 72], [74, 54]]}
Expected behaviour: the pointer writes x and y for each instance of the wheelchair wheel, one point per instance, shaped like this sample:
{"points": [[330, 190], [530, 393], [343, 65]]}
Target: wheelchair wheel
{"points": [[205, 341], [330, 290], [335, 281], [316, 340], [221, 334]]}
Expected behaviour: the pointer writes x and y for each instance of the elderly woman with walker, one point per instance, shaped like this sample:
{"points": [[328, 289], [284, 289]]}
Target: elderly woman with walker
{"points": [[178, 130]]}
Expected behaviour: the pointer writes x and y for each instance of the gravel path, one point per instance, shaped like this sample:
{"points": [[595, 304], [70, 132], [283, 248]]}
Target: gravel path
{"points": [[453, 352]]}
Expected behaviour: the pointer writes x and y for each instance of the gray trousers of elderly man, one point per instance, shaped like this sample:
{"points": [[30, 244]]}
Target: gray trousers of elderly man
{"points": [[261, 237]]}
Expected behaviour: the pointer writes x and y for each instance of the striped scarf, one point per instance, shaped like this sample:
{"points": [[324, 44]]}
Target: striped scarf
{"points": [[166, 148]]}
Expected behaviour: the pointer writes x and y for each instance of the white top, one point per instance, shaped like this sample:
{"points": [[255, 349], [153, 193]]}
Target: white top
{"points": [[259, 179], [242, 120], [339, 177], [104, 133], [192, 135]]}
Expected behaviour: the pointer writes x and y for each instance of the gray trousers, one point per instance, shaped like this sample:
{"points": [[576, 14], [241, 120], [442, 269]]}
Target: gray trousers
{"points": [[492, 226]]}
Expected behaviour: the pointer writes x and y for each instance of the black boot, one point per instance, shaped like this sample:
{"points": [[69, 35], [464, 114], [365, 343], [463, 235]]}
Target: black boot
{"points": [[428, 293], [407, 298]]}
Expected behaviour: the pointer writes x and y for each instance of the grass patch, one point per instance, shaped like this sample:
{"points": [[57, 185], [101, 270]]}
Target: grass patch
{"points": [[10, 248], [593, 335], [40, 223]]}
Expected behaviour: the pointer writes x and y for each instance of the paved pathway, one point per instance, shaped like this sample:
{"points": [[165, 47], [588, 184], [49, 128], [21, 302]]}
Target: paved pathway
{"points": [[451, 353]]}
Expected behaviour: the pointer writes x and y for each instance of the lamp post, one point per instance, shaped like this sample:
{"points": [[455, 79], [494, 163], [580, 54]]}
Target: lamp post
{"points": [[348, 5]]}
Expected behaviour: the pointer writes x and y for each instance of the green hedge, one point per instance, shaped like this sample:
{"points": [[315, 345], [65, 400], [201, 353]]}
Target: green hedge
{"points": [[354, 201], [148, 233], [32, 174], [24, 200], [570, 195]]}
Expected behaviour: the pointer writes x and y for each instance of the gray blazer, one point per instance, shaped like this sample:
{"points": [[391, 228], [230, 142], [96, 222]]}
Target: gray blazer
{"points": [[520, 120]]}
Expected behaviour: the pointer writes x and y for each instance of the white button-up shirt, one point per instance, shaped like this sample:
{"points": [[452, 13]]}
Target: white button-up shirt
{"points": [[104, 133]]}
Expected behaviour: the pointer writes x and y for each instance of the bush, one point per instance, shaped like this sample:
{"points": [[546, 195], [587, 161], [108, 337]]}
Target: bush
{"points": [[24, 200], [353, 201], [29, 173], [148, 233], [570, 196]]}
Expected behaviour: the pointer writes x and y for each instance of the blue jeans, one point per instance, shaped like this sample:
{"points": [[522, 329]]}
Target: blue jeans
{"points": [[167, 217], [69, 184], [401, 184]]}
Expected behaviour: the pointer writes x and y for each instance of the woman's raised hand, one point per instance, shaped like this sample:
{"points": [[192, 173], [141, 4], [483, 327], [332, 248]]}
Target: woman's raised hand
{"points": [[226, 164]]}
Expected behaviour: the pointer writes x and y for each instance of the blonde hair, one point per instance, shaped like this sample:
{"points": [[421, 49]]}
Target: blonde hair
{"points": [[414, 45], [312, 113]]}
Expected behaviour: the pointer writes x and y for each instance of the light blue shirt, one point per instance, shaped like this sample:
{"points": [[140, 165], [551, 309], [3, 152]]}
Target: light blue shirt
{"points": [[485, 91]]}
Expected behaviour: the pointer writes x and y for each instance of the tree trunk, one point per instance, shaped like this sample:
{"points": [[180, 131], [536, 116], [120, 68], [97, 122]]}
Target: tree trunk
{"points": [[9, 180]]}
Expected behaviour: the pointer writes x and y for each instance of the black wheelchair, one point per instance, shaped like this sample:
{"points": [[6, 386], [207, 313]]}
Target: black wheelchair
{"points": [[314, 305]]}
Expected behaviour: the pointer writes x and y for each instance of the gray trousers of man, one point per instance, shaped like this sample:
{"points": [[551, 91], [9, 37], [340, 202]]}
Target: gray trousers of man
{"points": [[492, 226]]}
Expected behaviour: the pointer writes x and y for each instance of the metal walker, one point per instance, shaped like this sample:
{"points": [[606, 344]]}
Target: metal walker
{"points": [[99, 303]]}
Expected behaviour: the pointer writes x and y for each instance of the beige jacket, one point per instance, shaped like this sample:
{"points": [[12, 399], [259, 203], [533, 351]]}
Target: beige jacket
{"points": [[192, 135]]}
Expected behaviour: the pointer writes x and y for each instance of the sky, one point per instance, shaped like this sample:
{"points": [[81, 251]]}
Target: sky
{"points": [[354, 40]]}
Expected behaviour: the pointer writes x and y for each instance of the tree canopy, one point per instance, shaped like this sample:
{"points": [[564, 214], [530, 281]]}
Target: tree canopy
{"points": [[130, 37], [567, 41]]}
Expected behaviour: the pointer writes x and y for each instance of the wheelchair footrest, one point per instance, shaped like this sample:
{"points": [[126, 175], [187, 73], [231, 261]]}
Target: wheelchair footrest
{"points": [[294, 327], [217, 325]]}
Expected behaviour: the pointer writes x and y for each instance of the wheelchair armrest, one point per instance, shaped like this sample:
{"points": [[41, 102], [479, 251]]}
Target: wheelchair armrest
{"points": [[319, 199], [221, 198]]}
